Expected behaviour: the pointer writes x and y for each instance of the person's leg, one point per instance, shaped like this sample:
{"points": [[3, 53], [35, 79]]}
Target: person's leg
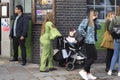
{"points": [[119, 61], [15, 48], [114, 58], [91, 57], [115, 55], [23, 51], [45, 53], [50, 58], [109, 55]]}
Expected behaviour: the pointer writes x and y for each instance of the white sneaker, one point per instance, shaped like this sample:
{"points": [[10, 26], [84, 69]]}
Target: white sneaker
{"points": [[119, 73], [79, 57], [90, 76], [109, 73], [83, 74]]}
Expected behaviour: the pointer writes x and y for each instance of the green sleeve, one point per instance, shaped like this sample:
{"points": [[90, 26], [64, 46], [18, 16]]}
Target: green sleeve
{"points": [[53, 32], [112, 24]]}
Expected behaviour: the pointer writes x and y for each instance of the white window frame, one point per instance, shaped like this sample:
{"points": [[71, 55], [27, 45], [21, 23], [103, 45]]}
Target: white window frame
{"points": [[104, 7]]}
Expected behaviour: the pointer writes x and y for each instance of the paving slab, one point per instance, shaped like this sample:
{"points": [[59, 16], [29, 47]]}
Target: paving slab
{"points": [[14, 71]]}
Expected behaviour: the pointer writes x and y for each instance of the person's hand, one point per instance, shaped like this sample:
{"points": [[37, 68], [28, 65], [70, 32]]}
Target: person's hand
{"points": [[21, 38]]}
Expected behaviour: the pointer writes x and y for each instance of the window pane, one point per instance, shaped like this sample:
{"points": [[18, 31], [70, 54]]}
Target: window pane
{"points": [[110, 2], [90, 2], [118, 2], [27, 6], [101, 13], [19, 2], [110, 9], [99, 2]]}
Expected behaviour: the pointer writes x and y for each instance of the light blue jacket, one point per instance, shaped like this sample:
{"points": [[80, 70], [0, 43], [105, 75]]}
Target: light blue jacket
{"points": [[89, 33]]}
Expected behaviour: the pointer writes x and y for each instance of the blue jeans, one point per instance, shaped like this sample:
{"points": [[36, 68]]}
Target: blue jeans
{"points": [[116, 55]]}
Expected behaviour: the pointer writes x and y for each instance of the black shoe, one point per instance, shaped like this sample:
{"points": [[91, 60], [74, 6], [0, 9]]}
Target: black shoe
{"points": [[44, 71], [13, 60], [52, 69], [114, 70], [106, 69], [23, 64]]}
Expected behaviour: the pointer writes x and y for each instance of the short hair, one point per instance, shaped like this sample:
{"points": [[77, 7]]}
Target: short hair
{"points": [[20, 7]]}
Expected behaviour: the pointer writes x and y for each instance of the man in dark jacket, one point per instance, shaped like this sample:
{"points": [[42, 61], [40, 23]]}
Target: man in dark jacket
{"points": [[19, 33]]}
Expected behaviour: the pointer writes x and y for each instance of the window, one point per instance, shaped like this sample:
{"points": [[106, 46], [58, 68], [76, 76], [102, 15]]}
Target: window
{"points": [[40, 8], [103, 6], [25, 3]]}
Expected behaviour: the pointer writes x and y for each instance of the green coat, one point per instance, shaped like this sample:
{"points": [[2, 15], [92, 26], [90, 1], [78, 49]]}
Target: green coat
{"points": [[50, 33], [47, 49], [115, 21]]}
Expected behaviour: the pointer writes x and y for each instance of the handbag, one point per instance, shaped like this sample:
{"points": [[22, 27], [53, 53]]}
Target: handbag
{"points": [[64, 53], [107, 41], [115, 32], [79, 37]]}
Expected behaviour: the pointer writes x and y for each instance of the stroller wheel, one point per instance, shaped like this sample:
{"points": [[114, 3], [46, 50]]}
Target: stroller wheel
{"points": [[70, 66]]}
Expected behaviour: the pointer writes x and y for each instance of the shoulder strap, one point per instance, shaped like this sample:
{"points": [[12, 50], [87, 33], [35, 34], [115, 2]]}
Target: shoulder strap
{"points": [[86, 27]]}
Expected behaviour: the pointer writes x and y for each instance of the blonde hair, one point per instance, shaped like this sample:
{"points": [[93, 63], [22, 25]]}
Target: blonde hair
{"points": [[90, 17], [118, 11], [108, 16], [48, 17]]}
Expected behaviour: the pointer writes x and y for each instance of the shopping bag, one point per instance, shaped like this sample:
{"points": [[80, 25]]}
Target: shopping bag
{"points": [[107, 41], [64, 53]]}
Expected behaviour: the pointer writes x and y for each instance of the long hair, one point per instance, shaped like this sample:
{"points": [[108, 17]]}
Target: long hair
{"points": [[48, 17], [107, 20], [118, 11], [90, 17]]}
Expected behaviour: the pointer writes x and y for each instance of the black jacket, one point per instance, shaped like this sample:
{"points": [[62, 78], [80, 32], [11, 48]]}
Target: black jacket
{"points": [[21, 26]]}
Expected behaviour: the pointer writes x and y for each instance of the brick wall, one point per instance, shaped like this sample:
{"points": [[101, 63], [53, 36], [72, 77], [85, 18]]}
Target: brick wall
{"points": [[35, 43], [69, 13]]}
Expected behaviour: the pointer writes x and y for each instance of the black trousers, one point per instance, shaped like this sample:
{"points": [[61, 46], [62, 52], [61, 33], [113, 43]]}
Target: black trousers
{"points": [[91, 53], [16, 43], [109, 57]]}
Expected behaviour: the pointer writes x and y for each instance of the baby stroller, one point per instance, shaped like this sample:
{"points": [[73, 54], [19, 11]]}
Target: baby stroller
{"points": [[75, 53]]}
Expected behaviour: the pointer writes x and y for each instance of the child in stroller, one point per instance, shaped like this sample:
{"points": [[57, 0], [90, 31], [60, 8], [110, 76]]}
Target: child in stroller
{"points": [[75, 51], [71, 38]]}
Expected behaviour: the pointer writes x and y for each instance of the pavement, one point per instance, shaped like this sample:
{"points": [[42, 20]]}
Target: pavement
{"points": [[15, 71]]}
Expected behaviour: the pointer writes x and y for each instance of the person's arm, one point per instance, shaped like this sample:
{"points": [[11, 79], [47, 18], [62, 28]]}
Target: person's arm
{"points": [[82, 27], [11, 30], [54, 32], [112, 24], [25, 26]]}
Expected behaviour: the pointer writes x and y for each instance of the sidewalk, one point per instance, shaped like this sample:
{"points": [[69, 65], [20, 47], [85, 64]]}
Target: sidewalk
{"points": [[14, 71]]}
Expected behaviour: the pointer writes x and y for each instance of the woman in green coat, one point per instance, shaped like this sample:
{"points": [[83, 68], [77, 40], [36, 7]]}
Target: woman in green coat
{"points": [[48, 33]]}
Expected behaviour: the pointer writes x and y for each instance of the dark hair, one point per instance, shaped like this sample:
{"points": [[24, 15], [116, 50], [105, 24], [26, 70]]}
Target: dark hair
{"points": [[95, 11], [90, 11], [20, 8]]}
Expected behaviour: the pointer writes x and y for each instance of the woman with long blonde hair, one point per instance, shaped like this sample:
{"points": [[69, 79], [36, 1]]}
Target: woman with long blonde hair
{"points": [[110, 49], [47, 34], [90, 35]]}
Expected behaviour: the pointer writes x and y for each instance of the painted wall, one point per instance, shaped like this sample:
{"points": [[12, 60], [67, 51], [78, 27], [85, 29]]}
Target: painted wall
{"points": [[5, 30]]}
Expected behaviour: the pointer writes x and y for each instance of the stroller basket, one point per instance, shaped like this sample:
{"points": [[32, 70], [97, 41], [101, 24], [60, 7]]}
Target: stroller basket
{"points": [[74, 53]]}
